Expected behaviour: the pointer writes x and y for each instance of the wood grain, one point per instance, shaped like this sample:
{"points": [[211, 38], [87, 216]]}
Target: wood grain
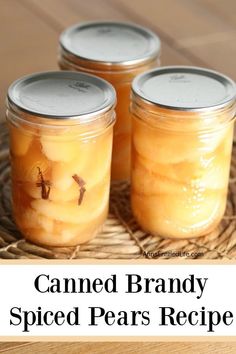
{"points": [[192, 28], [27, 45], [178, 19], [4, 347], [226, 9], [220, 54], [122, 348], [61, 15], [66, 13]]}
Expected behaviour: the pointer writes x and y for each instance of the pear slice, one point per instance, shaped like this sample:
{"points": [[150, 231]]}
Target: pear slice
{"points": [[59, 149], [29, 218], [166, 146], [64, 234], [92, 164], [207, 171], [26, 168], [70, 194], [62, 174], [183, 216], [70, 236], [215, 175], [149, 182], [99, 163], [94, 203], [19, 141]]}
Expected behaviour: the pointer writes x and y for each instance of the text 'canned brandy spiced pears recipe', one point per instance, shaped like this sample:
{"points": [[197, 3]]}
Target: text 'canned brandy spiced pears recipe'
{"points": [[132, 283]]}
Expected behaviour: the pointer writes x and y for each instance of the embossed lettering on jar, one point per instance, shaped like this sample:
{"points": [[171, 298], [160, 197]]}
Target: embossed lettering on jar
{"points": [[182, 133], [117, 52], [61, 127]]}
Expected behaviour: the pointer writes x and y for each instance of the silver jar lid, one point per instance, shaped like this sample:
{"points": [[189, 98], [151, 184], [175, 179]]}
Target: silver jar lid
{"points": [[109, 44], [62, 95], [184, 88]]}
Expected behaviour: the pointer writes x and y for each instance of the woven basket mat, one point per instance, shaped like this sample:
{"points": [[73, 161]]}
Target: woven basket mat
{"points": [[121, 237]]}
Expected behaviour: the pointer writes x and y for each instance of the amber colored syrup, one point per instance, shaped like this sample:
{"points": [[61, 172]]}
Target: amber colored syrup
{"points": [[179, 182], [121, 151], [58, 219]]}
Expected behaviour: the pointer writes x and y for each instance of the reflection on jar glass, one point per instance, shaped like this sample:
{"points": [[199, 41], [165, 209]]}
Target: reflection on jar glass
{"points": [[61, 127], [182, 133], [117, 52]]}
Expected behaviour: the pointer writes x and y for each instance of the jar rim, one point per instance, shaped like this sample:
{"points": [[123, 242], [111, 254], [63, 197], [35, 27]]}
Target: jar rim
{"points": [[183, 121], [142, 97], [104, 100], [109, 65]]}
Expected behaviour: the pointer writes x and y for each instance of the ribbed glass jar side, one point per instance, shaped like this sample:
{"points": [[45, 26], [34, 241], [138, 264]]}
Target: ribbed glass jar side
{"points": [[180, 168], [60, 176]]}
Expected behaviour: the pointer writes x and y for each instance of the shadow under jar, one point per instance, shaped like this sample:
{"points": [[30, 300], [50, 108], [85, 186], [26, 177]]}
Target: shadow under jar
{"points": [[117, 52], [182, 133], [61, 127]]}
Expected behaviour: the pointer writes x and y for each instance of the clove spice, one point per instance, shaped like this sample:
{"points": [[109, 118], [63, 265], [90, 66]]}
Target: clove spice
{"points": [[81, 184], [44, 185]]}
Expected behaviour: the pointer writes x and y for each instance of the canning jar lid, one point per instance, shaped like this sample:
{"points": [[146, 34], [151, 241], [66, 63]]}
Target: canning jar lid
{"points": [[109, 45], [61, 95], [184, 88]]}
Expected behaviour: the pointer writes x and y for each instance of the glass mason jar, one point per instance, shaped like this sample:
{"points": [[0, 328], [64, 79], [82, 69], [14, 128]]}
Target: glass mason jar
{"points": [[61, 127], [182, 130], [117, 52]]}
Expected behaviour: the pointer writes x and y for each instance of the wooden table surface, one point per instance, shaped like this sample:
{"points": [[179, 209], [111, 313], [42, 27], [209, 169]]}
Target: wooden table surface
{"points": [[193, 32]]}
